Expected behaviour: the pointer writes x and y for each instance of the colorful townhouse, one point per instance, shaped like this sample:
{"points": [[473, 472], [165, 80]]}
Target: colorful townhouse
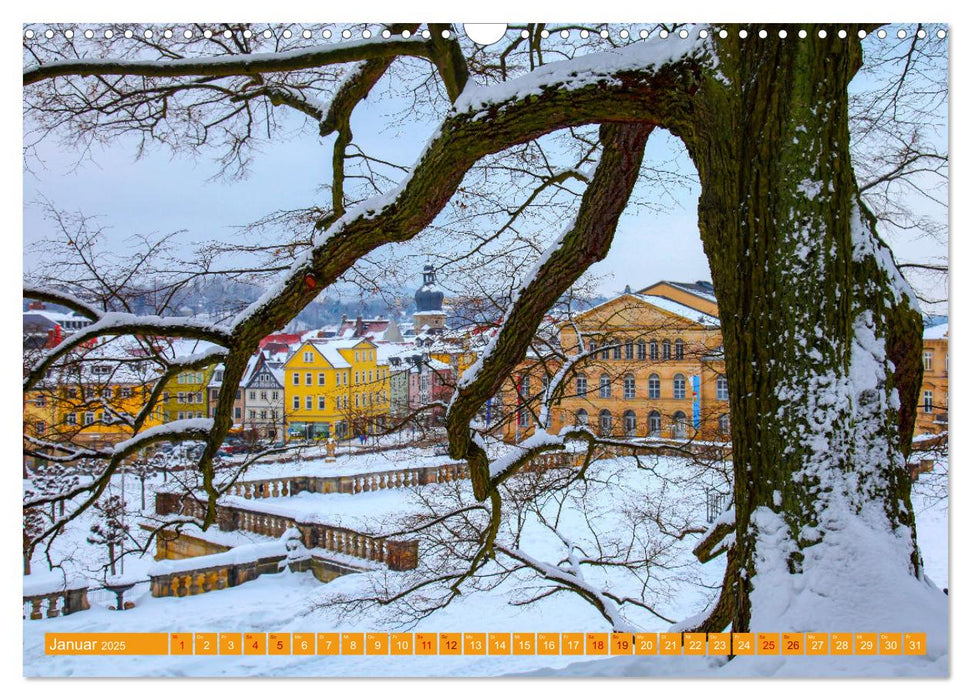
{"points": [[263, 406], [335, 388]]}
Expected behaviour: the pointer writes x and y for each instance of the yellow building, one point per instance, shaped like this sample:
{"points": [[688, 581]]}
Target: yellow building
{"points": [[933, 399], [335, 388], [653, 368]]}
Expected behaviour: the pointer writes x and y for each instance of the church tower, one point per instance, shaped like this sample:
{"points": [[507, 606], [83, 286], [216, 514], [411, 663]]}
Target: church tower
{"points": [[429, 317]]}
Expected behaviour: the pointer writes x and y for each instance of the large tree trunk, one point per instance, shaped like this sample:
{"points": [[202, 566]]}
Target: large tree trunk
{"points": [[822, 343]]}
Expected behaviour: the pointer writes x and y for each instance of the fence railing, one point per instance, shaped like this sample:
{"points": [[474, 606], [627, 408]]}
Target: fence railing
{"points": [[55, 604]]}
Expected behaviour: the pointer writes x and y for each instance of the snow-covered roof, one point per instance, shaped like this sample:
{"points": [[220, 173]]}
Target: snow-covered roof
{"points": [[938, 332], [678, 309]]}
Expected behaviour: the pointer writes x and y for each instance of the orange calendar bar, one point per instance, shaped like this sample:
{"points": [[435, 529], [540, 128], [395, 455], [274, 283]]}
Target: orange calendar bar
{"points": [[450, 643], [719, 644], [426, 643], [793, 643], [378, 643], [866, 643], [254, 643], [328, 643], [402, 644], [279, 644], [206, 643], [500, 643], [572, 643], [767, 643], [303, 643], [621, 643], [598, 643], [352, 643], [230, 643], [743, 643], [475, 643], [695, 643], [548, 644], [817, 643], [523, 643], [915, 643], [841, 643], [891, 643], [645, 643], [669, 643], [180, 643], [106, 644]]}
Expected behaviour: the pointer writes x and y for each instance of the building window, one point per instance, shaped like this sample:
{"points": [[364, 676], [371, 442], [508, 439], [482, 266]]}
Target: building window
{"points": [[654, 423], [40, 427], [630, 423], [40, 401], [679, 386], [724, 424], [523, 418], [262, 396], [252, 414], [309, 402], [108, 393], [523, 387], [928, 402], [606, 422], [629, 350], [71, 418], [617, 352], [653, 349], [582, 385], [721, 388], [238, 412], [262, 415], [928, 359], [321, 402], [296, 378], [629, 386], [181, 397], [592, 346], [126, 392], [320, 378], [581, 417], [679, 349], [654, 387], [308, 356], [604, 386], [310, 378], [680, 425], [275, 396], [252, 396], [666, 350], [641, 350], [605, 353], [296, 403], [88, 418]]}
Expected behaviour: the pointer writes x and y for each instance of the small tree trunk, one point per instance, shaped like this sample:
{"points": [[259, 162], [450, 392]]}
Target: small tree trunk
{"points": [[821, 339], [111, 557]]}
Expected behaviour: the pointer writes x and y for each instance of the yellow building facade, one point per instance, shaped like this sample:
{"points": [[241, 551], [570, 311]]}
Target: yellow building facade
{"points": [[933, 399], [335, 388]]}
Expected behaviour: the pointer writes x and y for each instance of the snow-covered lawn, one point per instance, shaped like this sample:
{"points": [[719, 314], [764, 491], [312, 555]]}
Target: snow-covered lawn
{"points": [[289, 602]]}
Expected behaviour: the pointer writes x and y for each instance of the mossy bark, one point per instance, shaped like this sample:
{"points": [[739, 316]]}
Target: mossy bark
{"points": [[805, 295]]}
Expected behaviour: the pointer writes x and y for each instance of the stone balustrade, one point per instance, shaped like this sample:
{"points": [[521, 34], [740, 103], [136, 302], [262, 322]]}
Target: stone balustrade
{"points": [[56, 603], [397, 555]]}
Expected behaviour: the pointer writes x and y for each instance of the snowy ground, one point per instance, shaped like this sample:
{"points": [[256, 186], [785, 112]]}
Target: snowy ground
{"points": [[289, 602]]}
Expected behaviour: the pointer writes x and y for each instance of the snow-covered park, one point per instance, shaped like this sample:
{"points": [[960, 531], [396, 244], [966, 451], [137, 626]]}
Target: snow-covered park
{"points": [[622, 502]]}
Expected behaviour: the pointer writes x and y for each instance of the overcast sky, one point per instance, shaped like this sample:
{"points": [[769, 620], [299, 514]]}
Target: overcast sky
{"points": [[161, 193]]}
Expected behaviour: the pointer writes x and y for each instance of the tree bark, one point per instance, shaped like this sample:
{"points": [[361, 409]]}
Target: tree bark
{"points": [[821, 339]]}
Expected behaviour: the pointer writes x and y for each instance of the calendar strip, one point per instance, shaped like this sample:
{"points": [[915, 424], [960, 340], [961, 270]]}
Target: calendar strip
{"points": [[486, 644]]}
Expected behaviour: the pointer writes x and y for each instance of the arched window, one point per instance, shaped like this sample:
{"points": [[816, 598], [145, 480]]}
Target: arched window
{"points": [[653, 349], [617, 351], [630, 423], [629, 386], [581, 417], [724, 424], [666, 350], [524, 387], [592, 345], [641, 350], [654, 387], [581, 385], [604, 386], [628, 349], [680, 425], [654, 423], [721, 388], [606, 422], [679, 349], [679, 386], [605, 353]]}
